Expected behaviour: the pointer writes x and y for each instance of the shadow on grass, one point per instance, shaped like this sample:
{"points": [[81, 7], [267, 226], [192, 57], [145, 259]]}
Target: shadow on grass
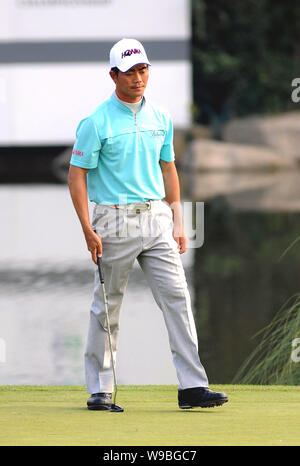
{"points": [[153, 411]]}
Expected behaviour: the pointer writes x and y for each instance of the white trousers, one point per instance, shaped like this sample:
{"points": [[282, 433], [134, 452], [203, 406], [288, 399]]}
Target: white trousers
{"points": [[144, 234]]}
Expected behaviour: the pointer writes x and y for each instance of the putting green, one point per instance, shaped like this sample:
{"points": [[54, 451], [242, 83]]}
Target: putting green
{"points": [[57, 415]]}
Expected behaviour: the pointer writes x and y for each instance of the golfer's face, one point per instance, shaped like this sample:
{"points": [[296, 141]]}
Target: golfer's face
{"points": [[131, 85]]}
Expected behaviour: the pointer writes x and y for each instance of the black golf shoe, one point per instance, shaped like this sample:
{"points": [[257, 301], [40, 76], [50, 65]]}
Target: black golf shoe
{"points": [[200, 397], [100, 401]]}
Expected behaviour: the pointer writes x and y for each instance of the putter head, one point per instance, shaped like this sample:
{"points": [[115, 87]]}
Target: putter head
{"points": [[116, 408]]}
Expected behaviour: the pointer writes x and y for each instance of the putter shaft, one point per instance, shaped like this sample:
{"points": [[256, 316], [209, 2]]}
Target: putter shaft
{"points": [[101, 277]]}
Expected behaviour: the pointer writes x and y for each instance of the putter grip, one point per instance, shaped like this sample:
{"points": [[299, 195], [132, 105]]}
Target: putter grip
{"points": [[100, 270], [99, 267]]}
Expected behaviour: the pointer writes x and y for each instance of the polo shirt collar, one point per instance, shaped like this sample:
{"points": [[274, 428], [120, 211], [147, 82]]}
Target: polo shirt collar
{"points": [[123, 107]]}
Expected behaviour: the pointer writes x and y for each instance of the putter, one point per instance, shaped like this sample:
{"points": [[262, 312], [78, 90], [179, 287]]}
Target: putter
{"points": [[113, 407]]}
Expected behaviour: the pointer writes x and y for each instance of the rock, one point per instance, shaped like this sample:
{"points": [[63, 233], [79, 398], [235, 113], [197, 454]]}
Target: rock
{"points": [[207, 154], [180, 139], [182, 136], [205, 185], [256, 191], [280, 132]]}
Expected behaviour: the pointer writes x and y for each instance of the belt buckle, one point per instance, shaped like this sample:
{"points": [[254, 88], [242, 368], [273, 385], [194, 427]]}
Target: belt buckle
{"points": [[138, 210]]}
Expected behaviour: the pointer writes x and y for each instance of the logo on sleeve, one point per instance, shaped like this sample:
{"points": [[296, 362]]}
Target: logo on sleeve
{"points": [[77, 152]]}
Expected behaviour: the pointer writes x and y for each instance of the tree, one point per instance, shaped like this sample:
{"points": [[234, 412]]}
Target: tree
{"points": [[245, 55]]}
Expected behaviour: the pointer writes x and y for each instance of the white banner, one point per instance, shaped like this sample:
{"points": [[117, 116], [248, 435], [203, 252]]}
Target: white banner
{"points": [[93, 19], [54, 62]]}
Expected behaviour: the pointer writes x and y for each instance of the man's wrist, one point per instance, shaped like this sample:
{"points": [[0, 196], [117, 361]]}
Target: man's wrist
{"points": [[176, 213], [87, 229]]}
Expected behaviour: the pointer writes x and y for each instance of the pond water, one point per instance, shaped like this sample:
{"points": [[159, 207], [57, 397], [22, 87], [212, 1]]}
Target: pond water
{"points": [[236, 280], [46, 278]]}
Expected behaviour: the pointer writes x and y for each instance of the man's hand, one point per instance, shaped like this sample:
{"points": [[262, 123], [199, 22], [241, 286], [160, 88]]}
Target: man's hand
{"points": [[78, 191], [94, 244], [180, 237], [172, 190], [182, 242]]}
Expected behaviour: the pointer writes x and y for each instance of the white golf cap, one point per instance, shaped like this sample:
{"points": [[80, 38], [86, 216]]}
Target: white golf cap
{"points": [[127, 53]]}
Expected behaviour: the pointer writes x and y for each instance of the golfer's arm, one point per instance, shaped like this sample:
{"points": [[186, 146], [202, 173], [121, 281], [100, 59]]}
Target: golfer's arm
{"points": [[78, 191], [172, 189]]}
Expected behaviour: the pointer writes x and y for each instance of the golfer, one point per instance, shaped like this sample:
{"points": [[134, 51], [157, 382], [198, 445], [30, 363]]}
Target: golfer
{"points": [[123, 159]]}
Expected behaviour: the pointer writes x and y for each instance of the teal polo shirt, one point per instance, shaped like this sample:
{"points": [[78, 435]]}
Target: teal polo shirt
{"points": [[122, 152]]}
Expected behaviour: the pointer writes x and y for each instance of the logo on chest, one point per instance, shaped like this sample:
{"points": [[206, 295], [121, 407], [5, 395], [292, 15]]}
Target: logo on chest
{"points": [[157, 132]]}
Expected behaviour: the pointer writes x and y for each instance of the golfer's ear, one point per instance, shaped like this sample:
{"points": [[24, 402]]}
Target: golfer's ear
{"points": [[113, 76]]}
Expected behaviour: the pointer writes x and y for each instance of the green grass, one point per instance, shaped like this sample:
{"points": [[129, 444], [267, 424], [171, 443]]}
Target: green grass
{"points": [[271, 363], [57, 415]]}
